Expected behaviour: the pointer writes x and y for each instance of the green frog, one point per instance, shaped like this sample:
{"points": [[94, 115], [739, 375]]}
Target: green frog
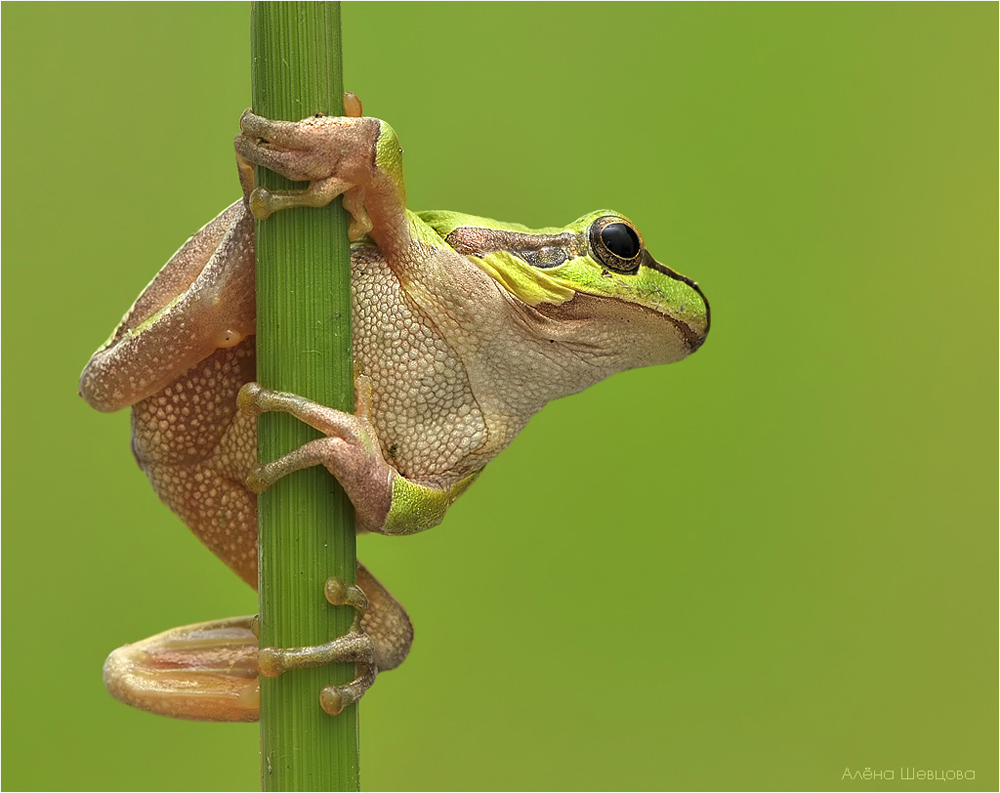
{"points": [[464, 327]]}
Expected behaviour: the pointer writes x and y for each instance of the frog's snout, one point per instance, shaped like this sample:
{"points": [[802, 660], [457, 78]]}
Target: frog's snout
{"points": [[701, 333], [692, 316]]}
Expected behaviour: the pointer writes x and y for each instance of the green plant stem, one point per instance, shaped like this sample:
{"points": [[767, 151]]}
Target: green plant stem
{"points": [[303, 346]]}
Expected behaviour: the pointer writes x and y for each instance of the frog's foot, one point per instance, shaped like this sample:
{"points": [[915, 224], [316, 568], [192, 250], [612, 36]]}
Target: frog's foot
{"points": [[206, 672], [352, 109], [210, 671], [333, 153], [350, 451], [353, 647]]}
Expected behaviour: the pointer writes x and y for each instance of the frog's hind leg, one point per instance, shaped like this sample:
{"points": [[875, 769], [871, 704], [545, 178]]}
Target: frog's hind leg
{"points": [[386, 621], [378, 641], [202, 300], [209, 671]]}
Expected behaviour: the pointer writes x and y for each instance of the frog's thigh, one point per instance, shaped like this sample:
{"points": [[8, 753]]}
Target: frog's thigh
{"points": [[177, 275], [196, 449], [386, 622], [217, 509], [202, 300]]}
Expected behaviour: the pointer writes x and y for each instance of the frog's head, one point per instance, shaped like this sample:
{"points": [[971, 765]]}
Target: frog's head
{"points": [[670, 312], [597, 279]]}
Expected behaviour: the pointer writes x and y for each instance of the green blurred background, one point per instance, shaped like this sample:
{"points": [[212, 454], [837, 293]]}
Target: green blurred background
{"points": [[754, 569]]}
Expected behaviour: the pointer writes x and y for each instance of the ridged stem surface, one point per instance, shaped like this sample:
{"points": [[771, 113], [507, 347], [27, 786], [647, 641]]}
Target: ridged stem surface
{"points": [[303, 346]]}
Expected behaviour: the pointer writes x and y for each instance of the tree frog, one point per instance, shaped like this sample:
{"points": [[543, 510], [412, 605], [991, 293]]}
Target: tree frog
{"points": [[464, 327]]}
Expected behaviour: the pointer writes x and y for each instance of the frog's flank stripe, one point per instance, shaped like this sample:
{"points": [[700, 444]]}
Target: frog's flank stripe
{"points": [[539, 250]]}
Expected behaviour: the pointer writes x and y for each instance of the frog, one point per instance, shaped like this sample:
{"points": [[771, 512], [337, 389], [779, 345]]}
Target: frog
{"points": [[463, 328]]}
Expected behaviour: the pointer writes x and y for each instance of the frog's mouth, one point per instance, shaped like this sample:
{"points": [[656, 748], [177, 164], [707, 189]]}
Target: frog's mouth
{"points": [[614, 334], [684, 305], [694, 338]]}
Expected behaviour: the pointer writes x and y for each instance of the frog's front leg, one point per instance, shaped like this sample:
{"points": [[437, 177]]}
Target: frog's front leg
{"points": [[384, 501], [358, 158]]}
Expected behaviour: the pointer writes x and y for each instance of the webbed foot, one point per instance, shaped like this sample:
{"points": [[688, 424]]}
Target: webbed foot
{"points": [[353, 647], [210, 671]]}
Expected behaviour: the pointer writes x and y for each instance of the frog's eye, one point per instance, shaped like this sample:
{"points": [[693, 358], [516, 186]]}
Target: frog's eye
{"points": [[616, 244]]}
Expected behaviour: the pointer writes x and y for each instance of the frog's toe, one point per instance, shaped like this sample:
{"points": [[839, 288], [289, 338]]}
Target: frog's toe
{"points": [[248, 399], [268, 130], [260, 203], [333, 699], [352, 105], [257, 480], [361, 224], [264, 202], [355, 646], [317, 452]]}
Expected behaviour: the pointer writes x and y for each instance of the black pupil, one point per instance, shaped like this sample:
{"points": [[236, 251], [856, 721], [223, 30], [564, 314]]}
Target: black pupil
{"points": [[621, 240]]}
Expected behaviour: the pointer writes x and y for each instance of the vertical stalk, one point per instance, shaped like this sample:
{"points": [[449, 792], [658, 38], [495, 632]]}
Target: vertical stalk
{"points": [[304, 346]]}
